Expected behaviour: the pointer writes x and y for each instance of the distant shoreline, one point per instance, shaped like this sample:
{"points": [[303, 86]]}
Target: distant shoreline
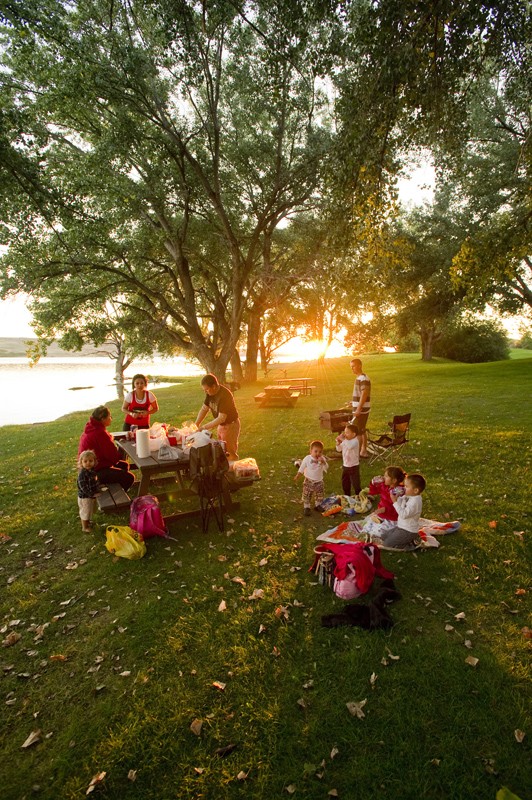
{"points": [[17, 347]]}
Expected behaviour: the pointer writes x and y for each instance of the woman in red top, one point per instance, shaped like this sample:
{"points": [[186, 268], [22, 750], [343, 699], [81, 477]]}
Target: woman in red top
{"points": [[139, 404], [110, 467]]}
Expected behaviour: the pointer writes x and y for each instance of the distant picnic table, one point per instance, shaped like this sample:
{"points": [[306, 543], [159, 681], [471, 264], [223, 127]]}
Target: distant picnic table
{"points": [[297, 384], [277, 395]]}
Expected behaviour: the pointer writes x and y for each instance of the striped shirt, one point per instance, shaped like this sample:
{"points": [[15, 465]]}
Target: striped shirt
{"points": [[362, 382]]}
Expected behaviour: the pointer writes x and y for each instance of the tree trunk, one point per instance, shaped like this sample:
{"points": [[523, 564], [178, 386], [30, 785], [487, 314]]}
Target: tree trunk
{"points": [[427, 341], [120, 368], [236, 368], [252, 349]]}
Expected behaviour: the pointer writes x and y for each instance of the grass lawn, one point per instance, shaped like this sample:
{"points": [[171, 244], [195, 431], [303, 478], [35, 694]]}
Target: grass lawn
{"points": [[117, 658]]}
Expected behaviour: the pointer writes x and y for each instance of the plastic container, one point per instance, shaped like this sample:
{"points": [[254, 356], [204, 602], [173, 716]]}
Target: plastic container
{"points": [[246, 468]]}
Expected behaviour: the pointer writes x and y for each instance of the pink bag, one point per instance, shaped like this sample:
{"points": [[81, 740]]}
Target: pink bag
{"points": [[146, 517], [347, 588]]}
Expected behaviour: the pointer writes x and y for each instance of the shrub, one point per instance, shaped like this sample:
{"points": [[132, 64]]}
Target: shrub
{"points": [[410, 343], [473, 341]]}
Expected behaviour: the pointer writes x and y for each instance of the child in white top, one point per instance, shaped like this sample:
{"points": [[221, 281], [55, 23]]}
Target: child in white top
{"points": [[312, 468], [347, 444], [408, 507]]}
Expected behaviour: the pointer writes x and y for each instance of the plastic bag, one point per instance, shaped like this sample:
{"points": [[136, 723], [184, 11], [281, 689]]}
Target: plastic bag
{"points": [[347, 588], [145, 517], [122, 541]]}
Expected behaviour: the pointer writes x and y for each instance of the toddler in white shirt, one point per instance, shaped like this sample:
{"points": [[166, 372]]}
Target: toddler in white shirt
{"points": [[348, 445], [312, 468]]}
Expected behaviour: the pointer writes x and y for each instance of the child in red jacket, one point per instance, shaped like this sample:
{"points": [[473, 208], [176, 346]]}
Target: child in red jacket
{"points": [[389, 488]]}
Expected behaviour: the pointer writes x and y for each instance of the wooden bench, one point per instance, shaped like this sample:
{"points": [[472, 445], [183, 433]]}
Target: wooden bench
{"points": [[260, 397], [114, 499]]}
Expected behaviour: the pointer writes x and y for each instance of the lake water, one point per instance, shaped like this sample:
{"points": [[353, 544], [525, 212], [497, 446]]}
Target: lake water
{"points": [[47, 390]]}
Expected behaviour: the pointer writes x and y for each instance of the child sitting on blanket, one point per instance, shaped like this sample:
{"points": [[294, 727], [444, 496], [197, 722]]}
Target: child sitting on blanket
{"points": [[312, 468], [404, 534], [388, 487]]}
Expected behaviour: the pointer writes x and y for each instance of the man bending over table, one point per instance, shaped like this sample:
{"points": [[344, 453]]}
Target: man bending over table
{"points": [[221, 403]]}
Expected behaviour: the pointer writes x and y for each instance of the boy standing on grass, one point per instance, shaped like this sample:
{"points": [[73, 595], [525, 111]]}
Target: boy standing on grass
{"points": [[312, 468], [408, 507], [347, 444]]}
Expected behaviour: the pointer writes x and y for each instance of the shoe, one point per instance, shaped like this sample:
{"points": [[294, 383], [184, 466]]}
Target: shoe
{"points": [[307, 512]]}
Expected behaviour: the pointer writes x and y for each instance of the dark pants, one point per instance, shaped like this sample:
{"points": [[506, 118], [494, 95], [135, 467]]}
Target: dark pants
{"points": [[118, 474], [351, 478]]}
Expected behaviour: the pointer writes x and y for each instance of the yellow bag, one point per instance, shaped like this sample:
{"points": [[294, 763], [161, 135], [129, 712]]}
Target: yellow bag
{"points": [[122, 541]]}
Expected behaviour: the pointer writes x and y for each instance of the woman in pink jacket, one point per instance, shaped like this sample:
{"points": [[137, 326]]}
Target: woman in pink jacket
{"points": [[110, 467]]}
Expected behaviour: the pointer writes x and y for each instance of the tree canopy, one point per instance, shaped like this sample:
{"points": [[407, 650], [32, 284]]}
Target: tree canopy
{"points": [[168, 155]]}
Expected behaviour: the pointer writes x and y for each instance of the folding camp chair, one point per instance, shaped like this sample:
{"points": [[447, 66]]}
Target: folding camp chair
{"points": [[385, 447], [208, 465]]}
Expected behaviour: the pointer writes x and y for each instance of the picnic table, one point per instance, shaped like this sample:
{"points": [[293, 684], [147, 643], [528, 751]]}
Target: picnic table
{"points": [[297, 384], [156, 474], [275, 395]]}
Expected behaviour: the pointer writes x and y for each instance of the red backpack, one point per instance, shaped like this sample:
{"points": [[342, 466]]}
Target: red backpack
{"points": [[146, 518]]}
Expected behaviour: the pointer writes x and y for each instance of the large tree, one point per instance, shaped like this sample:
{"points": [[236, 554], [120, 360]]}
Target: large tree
{"points": [[158, 171], [493, 186]]}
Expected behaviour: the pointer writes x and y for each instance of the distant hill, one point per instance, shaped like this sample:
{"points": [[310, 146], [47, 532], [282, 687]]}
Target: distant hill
{"points": [[14, 347]]}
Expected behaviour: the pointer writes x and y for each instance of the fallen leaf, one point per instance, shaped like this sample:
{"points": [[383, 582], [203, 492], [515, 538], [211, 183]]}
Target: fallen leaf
{"points": [[291, 788], [132, 775], [436, 762], [276, 652], [373, 680], [263, 562], [199, 770], [472, 661], [302, 703], [527, 632], [332, 793], [356, 708], [519, 735], [492, 523], [195, 726], [242, 776], [334, 752], [58, 657], [125, 674], [391, 655], [461, 615], [468, 643], [96, 779], [449, 628], [218, 685], [33, 738], [520, 591], [262, 628], [236, 579], [308, 685], [11, 639], [519, 533], [258, 594], [222, 606]]}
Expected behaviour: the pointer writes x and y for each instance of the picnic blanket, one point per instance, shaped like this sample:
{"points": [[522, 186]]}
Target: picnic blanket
{"points": [[348, 532]]}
